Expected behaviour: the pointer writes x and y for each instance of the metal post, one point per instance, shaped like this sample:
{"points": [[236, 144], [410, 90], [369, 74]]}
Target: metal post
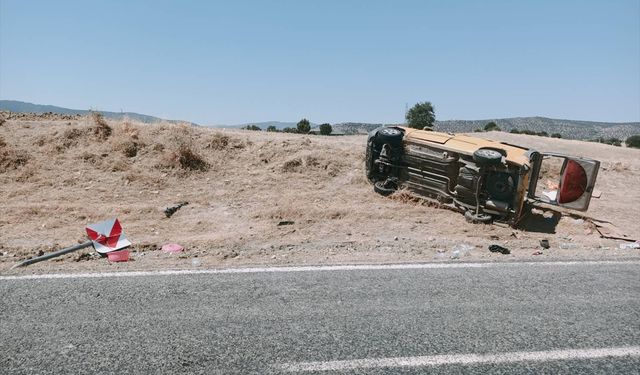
{"points": [[52, 255]]}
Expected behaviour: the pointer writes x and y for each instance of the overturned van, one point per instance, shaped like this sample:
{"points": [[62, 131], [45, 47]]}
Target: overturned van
{"points": [[486, 180]]}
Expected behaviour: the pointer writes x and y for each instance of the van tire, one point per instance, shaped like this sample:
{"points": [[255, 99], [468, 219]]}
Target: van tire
{"points": [[487, 156], [392, 136], [384, 188]]}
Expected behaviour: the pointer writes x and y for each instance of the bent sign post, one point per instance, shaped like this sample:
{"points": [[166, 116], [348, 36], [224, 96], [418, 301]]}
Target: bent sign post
{"points": [[105, 236]]}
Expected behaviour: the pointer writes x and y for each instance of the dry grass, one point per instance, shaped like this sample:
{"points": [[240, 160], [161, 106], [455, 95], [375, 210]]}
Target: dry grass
{"points": [[100, 129], [11, 158]]}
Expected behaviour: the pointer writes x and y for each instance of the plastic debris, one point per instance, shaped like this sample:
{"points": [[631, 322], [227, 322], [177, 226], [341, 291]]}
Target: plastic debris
{"points": [[460, 250], [195, 262], [172, 248], [566, 246], [118, 256], [499, 249], [537, 252], [629, 245], [169, 211]]}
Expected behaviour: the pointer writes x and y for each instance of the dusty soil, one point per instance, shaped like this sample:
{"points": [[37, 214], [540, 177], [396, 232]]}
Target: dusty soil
{"points": [[58, 175]]}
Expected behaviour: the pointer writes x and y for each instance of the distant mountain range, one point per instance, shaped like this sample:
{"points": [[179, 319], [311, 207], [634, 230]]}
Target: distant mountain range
{"points": [[24, 107], [570, 129]]}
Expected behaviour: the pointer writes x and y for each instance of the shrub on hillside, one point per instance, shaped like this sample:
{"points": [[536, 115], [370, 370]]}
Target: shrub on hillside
{"points": [[100, 128], [325, 129], [491, 126], [633, 141], [303, 126], [191, 160], [608, 141]]}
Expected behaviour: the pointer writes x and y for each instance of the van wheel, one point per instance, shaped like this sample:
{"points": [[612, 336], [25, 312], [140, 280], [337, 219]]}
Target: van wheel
{"points": [[386, 187], [391, 136], [479, 218], [486, 156]]}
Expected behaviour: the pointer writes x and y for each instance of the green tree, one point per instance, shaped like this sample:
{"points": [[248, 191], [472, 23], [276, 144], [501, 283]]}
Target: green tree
{"points": [[491, 126], [303, 126], [253, 127], [421, 115], [271, 128], [515, 131], [325, 129], [556, 135], [633, 141], [289, 130]]}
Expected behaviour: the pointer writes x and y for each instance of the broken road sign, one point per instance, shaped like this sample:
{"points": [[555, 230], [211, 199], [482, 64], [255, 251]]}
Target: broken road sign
{"points": [[107, 236]]}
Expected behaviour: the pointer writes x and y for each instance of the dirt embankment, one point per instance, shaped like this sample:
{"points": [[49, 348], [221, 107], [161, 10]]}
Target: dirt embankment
{"points": [[58, 175]]}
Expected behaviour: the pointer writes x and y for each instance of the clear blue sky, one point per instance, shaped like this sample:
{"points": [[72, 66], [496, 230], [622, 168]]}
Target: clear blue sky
{"points": [[229, 62]]}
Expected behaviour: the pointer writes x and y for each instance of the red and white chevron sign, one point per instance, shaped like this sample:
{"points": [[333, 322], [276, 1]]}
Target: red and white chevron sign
{"points": [[107, 236]]}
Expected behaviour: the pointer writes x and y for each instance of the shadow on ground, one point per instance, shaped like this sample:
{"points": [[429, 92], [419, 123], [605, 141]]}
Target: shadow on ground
{"points": [[540, 222]]}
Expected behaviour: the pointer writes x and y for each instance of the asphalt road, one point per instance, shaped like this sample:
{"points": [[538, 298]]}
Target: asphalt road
{"points": [[266, 322]]}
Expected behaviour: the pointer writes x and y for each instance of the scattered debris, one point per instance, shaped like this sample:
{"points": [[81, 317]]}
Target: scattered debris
{"points": [[169, 211], [460, 250], [544, 243], [195, 262], [567, 245], [630, 245], [499, 249], [608, 230], [172, 248], [118, 256], [285, 222], [537, 252]]}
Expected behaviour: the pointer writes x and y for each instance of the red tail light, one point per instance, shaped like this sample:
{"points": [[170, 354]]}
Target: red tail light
{"points": [[573, 184]]}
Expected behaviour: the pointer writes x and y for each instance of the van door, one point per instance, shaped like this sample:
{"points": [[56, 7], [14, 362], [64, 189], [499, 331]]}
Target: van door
{"points": [[565, 181]]}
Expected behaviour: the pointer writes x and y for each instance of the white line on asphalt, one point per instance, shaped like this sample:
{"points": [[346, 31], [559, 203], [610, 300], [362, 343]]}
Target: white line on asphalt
{"points": [[462, 359], [363, 267]]}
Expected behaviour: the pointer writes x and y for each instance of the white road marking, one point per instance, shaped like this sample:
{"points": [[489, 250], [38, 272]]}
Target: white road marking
{"points": [[462, 359], [363, 267]]}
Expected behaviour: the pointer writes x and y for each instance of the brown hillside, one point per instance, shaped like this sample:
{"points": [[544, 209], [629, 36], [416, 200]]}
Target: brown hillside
{"points": [[59, 175]]}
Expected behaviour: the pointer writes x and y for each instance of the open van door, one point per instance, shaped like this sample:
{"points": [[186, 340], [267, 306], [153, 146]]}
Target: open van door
{"points": [[565, 181]]}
